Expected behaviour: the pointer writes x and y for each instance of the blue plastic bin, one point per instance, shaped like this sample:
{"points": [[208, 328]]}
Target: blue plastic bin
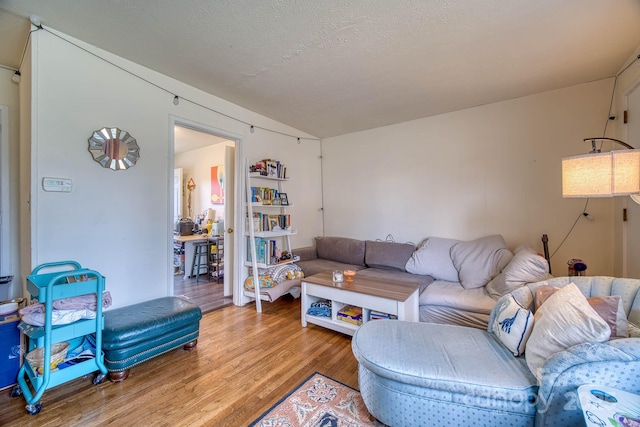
{"points": [[9, 353]]}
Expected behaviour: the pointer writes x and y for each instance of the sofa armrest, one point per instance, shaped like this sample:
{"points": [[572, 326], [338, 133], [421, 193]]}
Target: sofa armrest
{"points": [[306, 254], [614, 363]]}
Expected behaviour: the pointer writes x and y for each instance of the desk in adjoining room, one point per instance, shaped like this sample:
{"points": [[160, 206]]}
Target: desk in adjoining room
{"points": [[189, 242]]}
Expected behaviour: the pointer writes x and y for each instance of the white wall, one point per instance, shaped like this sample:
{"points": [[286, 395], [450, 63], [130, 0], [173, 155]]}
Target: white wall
{"points": [[197, 164], [10, 97], [484, 170], [118, 223]]}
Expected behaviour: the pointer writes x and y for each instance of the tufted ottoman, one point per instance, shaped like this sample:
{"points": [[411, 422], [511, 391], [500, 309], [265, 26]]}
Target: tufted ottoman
{"points": [[139, 332]]}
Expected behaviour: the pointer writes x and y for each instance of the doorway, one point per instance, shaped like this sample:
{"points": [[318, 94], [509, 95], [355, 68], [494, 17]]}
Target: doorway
{"points": [[631, 233], [203, 195]]}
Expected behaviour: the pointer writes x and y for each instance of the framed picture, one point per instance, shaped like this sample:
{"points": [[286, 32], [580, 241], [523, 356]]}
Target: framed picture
{"points": [[217, 185], [284, 200], [274, 223]]}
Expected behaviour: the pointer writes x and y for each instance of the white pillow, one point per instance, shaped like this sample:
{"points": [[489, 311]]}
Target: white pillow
{"points": [[433, 259], [479, 261], [525, 267], [512, 325], [564, 320]]}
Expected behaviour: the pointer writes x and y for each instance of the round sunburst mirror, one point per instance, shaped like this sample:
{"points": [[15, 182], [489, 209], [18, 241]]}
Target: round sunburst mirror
{"points": [[114, 148]]}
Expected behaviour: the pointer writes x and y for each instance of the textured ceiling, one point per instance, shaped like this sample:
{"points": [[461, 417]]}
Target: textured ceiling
{"points": [[330, 67]]}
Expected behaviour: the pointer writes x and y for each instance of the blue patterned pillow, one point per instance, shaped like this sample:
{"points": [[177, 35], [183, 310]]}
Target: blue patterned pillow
{"points": [[512, 325]]}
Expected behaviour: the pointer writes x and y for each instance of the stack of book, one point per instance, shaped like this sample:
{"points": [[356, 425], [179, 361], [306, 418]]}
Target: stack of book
{"points": [[264, 222], [380, 315], [270, 167], [350, 314]]}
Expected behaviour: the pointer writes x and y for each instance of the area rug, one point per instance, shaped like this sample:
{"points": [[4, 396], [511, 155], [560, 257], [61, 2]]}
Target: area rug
{"points": [[318, 401]]}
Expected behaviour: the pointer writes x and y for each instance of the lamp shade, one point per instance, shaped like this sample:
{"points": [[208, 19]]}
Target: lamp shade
{"points": [[626, 172], [588, 175], [615, 173]]}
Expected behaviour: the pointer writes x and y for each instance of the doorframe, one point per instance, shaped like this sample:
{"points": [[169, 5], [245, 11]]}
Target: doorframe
{"points": [[624, 238], [239, 185]]}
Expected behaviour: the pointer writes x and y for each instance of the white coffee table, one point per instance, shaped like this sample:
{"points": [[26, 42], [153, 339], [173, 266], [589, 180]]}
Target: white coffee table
{"points": [[399, 299]]}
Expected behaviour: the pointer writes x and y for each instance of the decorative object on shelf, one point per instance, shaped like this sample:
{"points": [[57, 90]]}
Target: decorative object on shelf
{"points": [[349, 275], [114, 148], [217, 185], [597, 174], [284, 200]]}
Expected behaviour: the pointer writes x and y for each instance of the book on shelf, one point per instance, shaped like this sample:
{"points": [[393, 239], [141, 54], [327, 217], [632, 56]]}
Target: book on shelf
{"points": [[351, 314], [267, 251], [264, 222], [373, 315], [269, 167]]}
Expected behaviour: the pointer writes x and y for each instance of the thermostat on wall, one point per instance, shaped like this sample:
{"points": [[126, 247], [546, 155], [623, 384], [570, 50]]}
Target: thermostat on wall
{"points": [[64, 185]]}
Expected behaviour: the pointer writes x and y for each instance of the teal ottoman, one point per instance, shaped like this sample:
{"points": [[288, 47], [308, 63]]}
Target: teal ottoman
{"points": [[139, 332]]}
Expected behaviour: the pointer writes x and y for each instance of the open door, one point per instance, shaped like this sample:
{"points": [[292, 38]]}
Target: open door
{"points": [[229, 218]]}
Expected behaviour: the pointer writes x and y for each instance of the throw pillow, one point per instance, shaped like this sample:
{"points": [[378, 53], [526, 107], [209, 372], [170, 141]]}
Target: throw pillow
{"points": [[265, 282], [564, 320], [610, 308], [512, 325], [525, 267], [432, 259], [479, 261]]}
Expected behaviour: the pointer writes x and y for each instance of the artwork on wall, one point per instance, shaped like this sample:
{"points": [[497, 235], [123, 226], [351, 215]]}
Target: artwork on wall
{"points": [[217, 185]]}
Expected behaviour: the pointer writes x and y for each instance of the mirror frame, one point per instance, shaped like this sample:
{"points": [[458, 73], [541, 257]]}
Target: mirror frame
{"points": [[120, 157]]}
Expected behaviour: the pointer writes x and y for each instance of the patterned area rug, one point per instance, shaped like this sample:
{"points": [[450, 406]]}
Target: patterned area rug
{"points": [[318, 402]]}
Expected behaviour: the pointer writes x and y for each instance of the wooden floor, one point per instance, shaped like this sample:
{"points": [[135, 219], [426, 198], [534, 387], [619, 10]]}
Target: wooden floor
{"points": [[243, 364], [206, 295]]}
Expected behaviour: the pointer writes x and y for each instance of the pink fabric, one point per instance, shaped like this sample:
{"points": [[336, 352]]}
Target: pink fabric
{"points": [[82, 302]]}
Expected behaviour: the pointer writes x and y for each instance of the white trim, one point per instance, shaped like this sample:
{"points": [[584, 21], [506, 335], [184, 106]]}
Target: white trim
{"points": [[6, 237], [238, 224]]}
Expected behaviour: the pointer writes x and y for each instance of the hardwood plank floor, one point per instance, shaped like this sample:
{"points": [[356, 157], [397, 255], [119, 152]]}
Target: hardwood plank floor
{"points": [[206, 295], [243, 364]]}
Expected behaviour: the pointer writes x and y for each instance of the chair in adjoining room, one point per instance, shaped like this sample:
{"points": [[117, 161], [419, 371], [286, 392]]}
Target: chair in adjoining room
{"points": [[201, 260]]}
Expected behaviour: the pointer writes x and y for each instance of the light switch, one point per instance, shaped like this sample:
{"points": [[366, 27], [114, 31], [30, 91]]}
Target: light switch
{"points": [[64, 185]]}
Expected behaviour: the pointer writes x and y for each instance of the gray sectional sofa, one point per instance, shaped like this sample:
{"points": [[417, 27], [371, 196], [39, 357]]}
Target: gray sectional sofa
{"points": [[534, 355], [459, 281]]}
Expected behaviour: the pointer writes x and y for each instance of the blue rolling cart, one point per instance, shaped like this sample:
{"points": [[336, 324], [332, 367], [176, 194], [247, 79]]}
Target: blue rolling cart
{"points": [[47, 287]]}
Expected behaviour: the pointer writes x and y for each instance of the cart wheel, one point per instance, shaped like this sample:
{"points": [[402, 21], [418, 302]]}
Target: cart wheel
{"points": [[98, 379], [16, 391], [34, 409]]}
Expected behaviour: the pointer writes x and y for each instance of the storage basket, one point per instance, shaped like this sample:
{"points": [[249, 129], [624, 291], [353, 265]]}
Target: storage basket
{"points": [[58, 353]]}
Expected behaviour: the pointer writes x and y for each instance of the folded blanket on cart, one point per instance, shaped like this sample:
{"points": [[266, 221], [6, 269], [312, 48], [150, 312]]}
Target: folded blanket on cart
{"points": [[82, 302], [65, 310]]}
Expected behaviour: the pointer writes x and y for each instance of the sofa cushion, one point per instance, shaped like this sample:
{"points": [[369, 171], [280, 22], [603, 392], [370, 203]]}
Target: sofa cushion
{"points": [[390, 255], [512, 324], [341, 249], [564, 320], [432, 258], [478, 261], [452, 294], [444, 358], [525, 267]]}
